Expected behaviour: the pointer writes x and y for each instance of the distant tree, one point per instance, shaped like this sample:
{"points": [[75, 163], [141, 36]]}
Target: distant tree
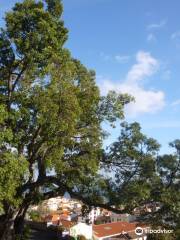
{"points": [[161, 236], [167, 191], [85, 210], [132, 159], [142, 176], [97, 222]]}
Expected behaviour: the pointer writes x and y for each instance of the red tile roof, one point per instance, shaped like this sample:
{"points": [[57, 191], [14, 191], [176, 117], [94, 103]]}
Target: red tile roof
{"points": [[64, 216], [52, 218], [66, 212], [115, 228], [66, 224]]}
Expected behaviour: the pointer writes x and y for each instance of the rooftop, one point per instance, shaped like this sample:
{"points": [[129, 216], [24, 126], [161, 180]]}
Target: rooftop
{"points": [[115, 228]]}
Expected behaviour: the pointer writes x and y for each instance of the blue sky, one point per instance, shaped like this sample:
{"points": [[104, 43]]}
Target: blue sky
{"points": [[134, 46]]}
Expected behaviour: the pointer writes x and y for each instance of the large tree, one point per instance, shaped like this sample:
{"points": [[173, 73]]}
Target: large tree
{"points": [[50, 115]]}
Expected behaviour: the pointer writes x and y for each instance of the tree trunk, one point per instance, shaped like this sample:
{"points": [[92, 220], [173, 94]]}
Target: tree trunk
{"points": [[12, 224], [7, 226], [6, 232], [19, 221], [19, 226]]}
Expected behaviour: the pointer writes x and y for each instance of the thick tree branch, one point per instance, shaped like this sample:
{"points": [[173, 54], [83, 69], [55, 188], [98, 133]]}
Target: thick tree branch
{"points": [[18, 77]]}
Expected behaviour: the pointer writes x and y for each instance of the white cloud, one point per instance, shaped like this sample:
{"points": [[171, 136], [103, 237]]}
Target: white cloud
{"points": [[151, 38], [146, 101], [146, 65], [156, 26], [122, 58]]}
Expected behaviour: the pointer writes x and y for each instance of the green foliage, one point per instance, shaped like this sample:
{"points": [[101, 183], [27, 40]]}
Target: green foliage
{"points": [[81, 237], [35, 216], [132, 158], [54, 7], [161, 236], [142, 176], [50, 110], [12, 171], [167, 191], [111, 106], [36, 35]]}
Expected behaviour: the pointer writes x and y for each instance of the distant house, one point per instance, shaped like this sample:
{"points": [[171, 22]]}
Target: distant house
{"points": [[91, 216], [52, 204], [102, 219], [115, 217], [55, 220], [66, 226], [52, 219], [81, 229], [65, 216], [149, 207], [106, 212], [94, 213], [117, 230], [108, 217]]}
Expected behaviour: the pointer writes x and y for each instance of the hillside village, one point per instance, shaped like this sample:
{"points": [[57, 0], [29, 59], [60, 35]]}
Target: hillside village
{"points": [[68, 216]]}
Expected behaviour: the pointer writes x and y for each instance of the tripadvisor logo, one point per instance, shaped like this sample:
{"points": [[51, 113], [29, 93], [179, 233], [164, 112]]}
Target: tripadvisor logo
{"points": [[139, 231]]}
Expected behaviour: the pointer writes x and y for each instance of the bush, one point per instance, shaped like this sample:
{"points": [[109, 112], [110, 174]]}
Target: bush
{"points": [[81, 237], [35, 216]]}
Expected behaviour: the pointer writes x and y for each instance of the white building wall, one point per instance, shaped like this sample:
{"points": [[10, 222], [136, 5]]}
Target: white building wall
{"points": [[81, 229], [122, 217], [94, 213]]}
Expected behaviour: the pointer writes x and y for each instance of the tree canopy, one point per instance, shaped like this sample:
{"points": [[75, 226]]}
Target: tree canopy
{"points": [[51, 110]]}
